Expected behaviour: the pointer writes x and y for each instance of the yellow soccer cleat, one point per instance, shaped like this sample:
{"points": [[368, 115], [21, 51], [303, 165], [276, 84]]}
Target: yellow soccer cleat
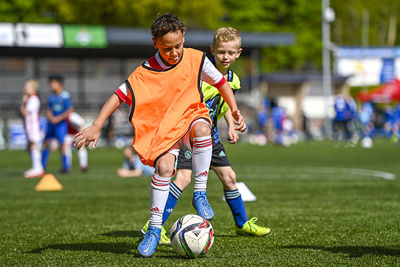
{"points": [[251, 228], [164, 237]]}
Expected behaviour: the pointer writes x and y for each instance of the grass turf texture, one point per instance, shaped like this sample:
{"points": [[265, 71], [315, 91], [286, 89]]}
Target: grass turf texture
{"points": [[322, 209]]}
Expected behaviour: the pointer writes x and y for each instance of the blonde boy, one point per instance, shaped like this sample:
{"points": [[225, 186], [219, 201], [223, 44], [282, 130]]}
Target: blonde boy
{"points": [[226, 49]]}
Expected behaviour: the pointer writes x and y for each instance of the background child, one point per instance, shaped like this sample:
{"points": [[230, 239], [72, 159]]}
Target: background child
{"points": [[58, 108], [30, 109], [132, 166], [167, 113], [226, 49]]}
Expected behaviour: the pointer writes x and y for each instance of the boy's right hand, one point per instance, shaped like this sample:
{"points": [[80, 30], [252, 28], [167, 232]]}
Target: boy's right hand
{"points": [[86, 136], [239, 121]]}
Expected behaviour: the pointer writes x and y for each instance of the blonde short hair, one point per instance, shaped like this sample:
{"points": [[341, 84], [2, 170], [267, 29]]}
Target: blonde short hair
{"points": [[33, 83], [227, 34]]}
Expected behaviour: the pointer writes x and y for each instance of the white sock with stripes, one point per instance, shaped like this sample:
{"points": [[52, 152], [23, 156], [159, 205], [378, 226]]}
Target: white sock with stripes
{"points": [[158, 197], [201, 159]]}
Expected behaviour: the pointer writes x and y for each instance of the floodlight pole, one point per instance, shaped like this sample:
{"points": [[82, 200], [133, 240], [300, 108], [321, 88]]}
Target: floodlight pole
{"points": [[328, 16]]}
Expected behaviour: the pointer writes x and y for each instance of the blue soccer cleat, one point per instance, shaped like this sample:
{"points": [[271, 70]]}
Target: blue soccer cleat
{"points": [[200, 203], [164, 237], [150, 241]]}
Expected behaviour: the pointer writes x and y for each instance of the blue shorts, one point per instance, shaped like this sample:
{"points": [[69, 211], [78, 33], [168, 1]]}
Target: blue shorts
{"points": [[58, 131]]}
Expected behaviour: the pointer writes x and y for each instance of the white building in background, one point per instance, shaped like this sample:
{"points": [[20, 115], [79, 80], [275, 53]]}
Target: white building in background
{"points": [[370, 66]]}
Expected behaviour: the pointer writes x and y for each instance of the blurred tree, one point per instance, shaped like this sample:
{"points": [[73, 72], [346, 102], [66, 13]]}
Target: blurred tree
{"points": [[299, 16], [379, 19], [23, 11], [302, 17], [115, 13]]}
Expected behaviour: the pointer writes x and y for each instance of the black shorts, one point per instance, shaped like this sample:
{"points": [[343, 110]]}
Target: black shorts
{"points": [[219, 157]]}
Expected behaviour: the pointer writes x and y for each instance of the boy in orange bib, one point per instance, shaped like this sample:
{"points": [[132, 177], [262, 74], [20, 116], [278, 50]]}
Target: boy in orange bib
{"points": [[168, 112]]}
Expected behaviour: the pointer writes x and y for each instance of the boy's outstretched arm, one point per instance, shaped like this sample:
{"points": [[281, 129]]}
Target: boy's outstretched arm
{"points": [[227, 94], [92, 133], [233, 137]]}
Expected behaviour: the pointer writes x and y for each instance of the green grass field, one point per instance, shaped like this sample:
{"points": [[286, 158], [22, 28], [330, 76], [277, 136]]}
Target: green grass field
{"points": [[326, 206]]}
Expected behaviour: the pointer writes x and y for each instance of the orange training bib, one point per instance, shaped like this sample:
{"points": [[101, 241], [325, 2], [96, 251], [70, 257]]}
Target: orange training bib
{"points": [[165, 103]]}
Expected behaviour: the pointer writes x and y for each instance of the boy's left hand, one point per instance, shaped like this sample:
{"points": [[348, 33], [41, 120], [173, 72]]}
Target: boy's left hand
{"points": [[239, 121], [233, 137]]}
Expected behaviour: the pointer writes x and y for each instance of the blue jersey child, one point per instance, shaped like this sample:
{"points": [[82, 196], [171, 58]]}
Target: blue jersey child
{"points": [[58, 108], [344, 112]]}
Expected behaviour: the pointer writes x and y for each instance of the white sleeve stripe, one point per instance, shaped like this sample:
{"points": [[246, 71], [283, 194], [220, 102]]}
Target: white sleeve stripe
{"points": [[209, 73], [123, 89]]}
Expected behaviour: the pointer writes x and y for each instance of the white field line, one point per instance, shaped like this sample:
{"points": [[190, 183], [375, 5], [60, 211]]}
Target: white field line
{"points": [[311, 172]]}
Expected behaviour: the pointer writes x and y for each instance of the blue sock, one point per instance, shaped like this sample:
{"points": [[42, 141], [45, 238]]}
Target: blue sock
{"points": [[235, 202], [64, 160], [174, 194], [45, 157]]}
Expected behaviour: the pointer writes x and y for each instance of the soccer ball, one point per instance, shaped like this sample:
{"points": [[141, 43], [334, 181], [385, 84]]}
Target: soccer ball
{"points": [[367, 142], [192, 236]]}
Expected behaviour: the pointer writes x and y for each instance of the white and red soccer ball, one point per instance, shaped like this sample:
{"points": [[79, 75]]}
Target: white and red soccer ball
{"points": [[192, 236]]}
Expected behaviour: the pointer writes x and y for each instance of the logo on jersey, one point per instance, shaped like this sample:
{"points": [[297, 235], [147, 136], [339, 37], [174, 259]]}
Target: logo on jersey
{"points": [[58, 107], [188, 154]]}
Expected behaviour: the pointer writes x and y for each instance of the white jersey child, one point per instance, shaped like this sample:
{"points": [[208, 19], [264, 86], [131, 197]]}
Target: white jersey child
{"points": [[30, 108], [32, 123]]}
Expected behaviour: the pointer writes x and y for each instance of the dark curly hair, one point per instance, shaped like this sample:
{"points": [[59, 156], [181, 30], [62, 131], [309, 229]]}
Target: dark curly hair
{"points": [[165, 24], [56, 77]]}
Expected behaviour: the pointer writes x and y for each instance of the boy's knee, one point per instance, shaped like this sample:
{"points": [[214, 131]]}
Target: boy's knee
{"points": [[164, 169], [201, 129], [33, 146]]}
